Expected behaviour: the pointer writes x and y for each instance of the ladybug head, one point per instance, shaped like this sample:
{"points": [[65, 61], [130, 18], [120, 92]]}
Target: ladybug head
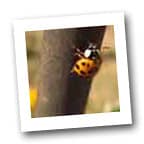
{"points": [[92, 52]]}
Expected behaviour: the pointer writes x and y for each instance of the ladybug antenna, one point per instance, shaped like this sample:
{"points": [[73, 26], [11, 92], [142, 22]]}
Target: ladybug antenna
{"points": [[92, 46]]}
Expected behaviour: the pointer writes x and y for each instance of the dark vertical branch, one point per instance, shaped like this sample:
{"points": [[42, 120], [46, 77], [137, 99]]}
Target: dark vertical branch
{"points": [[60, 92], [78, 87]]}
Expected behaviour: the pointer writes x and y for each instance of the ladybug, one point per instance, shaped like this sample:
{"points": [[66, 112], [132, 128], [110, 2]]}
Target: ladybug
{"points": [[88, 62]]}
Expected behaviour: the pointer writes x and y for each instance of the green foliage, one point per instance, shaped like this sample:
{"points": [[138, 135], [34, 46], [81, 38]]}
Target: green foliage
{"points": [[116, 109]]}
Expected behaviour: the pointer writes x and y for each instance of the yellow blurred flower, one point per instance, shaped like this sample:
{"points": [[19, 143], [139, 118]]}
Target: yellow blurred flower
{"points": [[33, 98]]}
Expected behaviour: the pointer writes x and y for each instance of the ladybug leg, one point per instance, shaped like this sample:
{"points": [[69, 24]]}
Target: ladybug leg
{"points": [[79, 55], [72, 70], [78, 50]]}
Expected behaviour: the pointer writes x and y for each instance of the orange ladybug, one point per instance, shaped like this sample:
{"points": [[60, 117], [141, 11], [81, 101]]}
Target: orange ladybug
{"points": [[89, 61]]}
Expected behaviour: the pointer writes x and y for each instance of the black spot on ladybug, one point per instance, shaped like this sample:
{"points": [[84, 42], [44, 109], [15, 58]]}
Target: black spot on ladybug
{"points": [[90, 71], [82, 72], [88, 65], [77, 66], [83, 63]]}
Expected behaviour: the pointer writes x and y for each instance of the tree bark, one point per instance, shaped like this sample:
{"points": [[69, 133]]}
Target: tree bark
{"points": [[62, 92]]}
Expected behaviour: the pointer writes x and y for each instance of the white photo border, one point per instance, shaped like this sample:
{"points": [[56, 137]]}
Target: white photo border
{"points": [[73, 121]]}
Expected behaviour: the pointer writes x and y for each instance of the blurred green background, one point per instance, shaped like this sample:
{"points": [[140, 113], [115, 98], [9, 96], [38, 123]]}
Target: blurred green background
{"points": [[103, 95]]}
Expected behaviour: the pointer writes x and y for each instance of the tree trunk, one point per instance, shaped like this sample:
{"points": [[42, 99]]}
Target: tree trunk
{"points": [[62, 92]]}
